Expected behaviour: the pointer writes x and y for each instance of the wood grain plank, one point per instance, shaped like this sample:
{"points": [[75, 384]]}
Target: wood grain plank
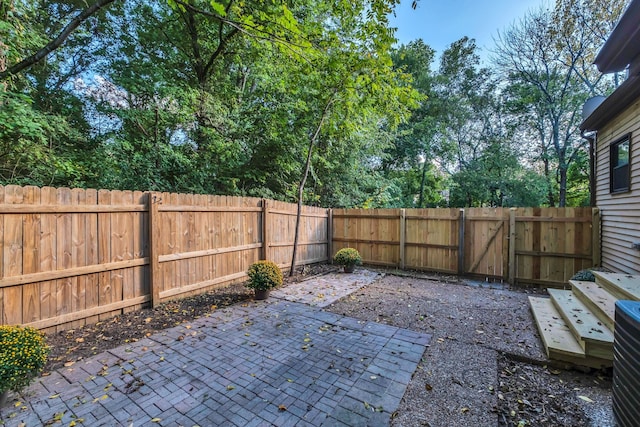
{"points": [[31, 257], [105, 291], [48, 253], [78, 255], [12, 259], [64, 248], [92, 290], [130, 229], [119, 235]]}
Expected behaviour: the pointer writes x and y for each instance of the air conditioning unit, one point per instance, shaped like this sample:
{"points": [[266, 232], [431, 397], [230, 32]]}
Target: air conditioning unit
{"points": [[626, 364]]}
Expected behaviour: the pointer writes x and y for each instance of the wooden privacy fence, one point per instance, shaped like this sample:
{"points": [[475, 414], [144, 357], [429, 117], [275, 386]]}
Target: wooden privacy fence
{"points": [[74, 256], [541, 246]]}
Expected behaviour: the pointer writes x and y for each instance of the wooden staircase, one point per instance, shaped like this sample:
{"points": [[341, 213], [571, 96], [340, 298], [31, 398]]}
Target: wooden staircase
{"points": [[577, 325]]}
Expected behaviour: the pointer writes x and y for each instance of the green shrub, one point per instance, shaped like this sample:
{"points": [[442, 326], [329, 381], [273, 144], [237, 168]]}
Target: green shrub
{"points": [[23, 354], [264, 275], [587, 275], [347, 256]]}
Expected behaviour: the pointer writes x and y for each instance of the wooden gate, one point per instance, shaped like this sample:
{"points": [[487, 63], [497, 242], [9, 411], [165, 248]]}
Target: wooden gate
{"points": [[486, 247]]}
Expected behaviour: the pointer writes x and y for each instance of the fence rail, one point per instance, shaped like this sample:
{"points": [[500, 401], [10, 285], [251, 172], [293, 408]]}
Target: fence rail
{"points": [[69, 257]]}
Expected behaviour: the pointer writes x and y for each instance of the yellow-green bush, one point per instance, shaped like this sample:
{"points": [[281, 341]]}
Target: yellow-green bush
{"points": [[347, 256], [264, 275], [23, 354]]}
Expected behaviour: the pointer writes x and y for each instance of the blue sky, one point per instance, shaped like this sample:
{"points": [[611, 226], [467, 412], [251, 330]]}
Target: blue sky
{"points": [[441, 22]]}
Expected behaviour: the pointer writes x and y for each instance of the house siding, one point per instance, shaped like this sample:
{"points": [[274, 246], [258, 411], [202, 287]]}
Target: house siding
{"points": [[620, 213]]}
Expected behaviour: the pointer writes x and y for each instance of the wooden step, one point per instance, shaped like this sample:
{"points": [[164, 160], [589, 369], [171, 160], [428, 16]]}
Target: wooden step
{"points": [[622, 286], [556, 335], [597, 299], [557, 338], [592, 335]]}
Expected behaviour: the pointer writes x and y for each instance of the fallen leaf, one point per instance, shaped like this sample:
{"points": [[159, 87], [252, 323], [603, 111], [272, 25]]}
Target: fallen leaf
{"points": [[156, 420], [586, 399], [428, 387], [79, 339], [69, 363], [230, 387], [282, 408], [464, 410], [54, 396]]}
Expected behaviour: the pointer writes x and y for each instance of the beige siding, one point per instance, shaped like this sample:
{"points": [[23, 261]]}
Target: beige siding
{"points": [[620, 212]]}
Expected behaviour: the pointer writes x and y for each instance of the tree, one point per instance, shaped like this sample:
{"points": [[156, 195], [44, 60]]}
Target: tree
{"points": [[544, 58]]}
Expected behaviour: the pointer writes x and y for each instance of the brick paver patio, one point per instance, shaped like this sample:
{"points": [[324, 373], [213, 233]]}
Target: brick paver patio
{"points": [[275, 362]]}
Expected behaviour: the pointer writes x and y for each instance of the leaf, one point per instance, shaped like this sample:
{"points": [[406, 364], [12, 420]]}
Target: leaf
{"points": [[156, 420], [69, 363], [282, 408], [230, 387], [586, 399], [464, 410], [54, 396], [218, 8], [428, 387]]}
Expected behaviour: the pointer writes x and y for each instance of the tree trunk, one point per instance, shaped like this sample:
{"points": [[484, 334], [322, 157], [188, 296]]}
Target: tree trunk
{"points": [[562, 196], [422, 181], [303, 181]]}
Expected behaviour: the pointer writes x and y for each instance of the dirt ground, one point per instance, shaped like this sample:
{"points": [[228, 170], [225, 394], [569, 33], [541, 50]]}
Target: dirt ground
{"points": [[485, 365]]}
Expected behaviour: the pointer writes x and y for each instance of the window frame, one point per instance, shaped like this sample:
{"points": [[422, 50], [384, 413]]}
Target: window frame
{"points": [[613, 168]]}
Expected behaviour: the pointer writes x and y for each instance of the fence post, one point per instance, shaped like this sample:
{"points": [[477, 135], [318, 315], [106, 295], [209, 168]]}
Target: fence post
{"points": [[154, 236], [403, 237], [512, 246], [461, 243], [265, 233], [330, 235], [595, 237]]}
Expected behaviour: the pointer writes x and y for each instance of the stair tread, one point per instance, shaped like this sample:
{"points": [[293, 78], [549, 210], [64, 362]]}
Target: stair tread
{"points": [[556, 335], [579, 318], [599, 297], [626, 284]]}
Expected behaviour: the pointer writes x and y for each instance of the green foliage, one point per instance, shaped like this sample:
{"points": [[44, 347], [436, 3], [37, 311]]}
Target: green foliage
{"points": [[347, 257], [23, 354], [587, 275], [264, 275]]}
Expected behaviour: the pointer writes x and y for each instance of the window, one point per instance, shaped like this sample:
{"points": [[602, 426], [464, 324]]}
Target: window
{"points": [[620, 172]]}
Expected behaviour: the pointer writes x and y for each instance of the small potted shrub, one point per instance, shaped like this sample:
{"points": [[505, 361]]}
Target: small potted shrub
{"points": [[264, 276], [23, 354], [348, 258]]}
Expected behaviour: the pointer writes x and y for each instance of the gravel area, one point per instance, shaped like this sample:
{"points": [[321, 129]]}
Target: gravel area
{"points": [[486, 365]]}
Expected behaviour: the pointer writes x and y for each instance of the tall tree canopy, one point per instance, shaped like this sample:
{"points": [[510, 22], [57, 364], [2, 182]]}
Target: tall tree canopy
{"points": [[305, 101]]}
